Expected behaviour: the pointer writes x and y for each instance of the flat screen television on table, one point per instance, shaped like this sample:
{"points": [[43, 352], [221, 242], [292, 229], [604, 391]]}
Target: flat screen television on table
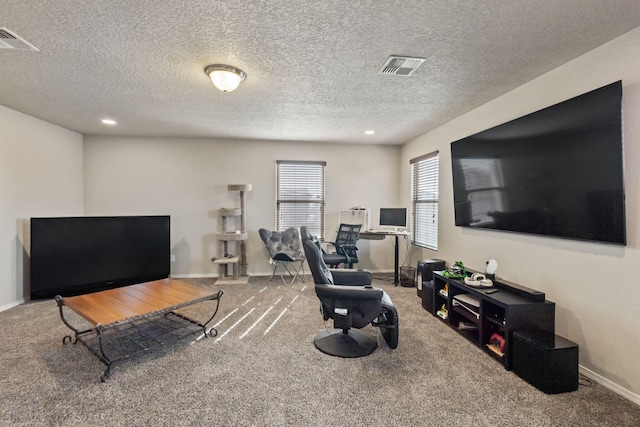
{"points": [[556, 172], [393, 217], [76, 255]]}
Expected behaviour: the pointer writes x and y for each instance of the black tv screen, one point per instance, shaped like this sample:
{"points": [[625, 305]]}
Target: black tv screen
{"points": [[396, 217], [75, 255], [556, 172]]}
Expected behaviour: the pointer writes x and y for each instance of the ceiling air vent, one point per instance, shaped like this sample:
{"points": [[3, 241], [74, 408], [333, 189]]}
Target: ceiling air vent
{"points": [[401, 65], [9, 40]]}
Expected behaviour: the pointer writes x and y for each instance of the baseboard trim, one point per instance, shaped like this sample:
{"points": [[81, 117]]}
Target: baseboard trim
{"points": [[193, 276], [264, 274], [13, 304], [616, 388], [214, 276]]}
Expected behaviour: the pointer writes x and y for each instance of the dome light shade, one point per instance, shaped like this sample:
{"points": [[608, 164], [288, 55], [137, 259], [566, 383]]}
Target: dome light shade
{"points": [[225, 77]]}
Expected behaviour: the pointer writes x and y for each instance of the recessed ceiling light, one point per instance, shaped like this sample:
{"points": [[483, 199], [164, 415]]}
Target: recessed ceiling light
{"points": [[109, 122], [369, 132]]}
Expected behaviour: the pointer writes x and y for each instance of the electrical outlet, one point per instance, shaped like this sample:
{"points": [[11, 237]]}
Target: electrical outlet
{"points": [[172, 258]]}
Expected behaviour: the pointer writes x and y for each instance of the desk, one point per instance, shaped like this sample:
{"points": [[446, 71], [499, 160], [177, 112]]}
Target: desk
{"points": [[382, 234]]}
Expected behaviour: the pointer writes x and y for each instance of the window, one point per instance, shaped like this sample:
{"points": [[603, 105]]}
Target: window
{"points": [[424, 200], [300, 195]]}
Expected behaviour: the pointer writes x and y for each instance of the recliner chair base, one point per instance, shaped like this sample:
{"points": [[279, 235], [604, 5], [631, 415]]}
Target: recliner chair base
{"points": [[335, 342]]}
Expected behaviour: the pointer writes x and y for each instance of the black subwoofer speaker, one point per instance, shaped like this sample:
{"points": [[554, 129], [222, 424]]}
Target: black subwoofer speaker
{"points": [[425, 270], [547, 361]]}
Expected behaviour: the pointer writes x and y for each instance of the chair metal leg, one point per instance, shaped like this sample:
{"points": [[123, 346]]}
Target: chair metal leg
{"points": [[304, 276], [275, 267], [293, 272], [297, 271], [284, 264]]}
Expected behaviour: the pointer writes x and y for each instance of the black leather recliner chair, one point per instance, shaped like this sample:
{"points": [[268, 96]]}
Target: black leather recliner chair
{"points": [[347, 297]]}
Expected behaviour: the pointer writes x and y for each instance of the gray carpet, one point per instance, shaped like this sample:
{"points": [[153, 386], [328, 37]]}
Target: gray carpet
{"points": [[263, 370]]}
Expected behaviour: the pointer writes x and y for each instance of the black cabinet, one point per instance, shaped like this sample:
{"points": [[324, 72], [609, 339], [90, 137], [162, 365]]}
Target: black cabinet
{"points": [[546, 361], [491, 318]]}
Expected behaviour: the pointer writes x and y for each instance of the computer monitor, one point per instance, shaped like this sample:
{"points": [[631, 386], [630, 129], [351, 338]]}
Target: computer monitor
{"points": [[393, 217]]}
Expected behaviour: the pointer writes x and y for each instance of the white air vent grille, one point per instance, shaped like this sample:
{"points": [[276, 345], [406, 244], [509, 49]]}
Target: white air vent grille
{"points": [[401, 65], [9, 40]]}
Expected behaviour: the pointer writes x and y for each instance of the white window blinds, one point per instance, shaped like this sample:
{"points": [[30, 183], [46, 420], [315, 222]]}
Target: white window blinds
{"points": [[424, 200], [300, 195]]}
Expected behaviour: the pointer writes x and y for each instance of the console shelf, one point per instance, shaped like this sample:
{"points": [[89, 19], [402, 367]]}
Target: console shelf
{"points": [[499, 314]]}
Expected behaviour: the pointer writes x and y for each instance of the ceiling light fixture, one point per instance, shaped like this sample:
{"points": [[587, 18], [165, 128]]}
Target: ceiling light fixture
{"points": [[369, 132], [108, 122], [225, 77]]}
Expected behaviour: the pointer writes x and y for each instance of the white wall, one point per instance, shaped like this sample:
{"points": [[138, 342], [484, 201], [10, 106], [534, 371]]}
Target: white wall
{"points": [[188, 178], [40, 175], [593, 285]]}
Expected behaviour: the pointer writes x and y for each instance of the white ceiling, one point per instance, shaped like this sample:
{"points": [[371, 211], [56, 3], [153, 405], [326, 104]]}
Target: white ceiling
{"points": [[312, 66]]}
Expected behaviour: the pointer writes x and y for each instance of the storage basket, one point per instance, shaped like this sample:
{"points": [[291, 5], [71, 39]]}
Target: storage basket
{"points": [[407, 277]]}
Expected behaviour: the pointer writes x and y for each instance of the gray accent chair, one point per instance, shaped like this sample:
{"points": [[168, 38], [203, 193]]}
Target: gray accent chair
{"points": [[285, 251]]}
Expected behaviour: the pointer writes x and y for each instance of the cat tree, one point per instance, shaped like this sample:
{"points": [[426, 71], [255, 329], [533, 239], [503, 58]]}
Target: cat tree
{"points": [[232, 268]]}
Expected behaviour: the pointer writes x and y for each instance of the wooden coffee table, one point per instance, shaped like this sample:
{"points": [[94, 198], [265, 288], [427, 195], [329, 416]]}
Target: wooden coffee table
{"points": [[136, 318]]}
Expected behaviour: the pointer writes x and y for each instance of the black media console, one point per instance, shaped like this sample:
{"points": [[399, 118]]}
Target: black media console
{"points": [[512, 323], [489, 316]]}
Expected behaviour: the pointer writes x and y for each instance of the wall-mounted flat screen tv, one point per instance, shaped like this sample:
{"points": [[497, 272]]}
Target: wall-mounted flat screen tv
{"points": [[556, 172], [75, 255]]}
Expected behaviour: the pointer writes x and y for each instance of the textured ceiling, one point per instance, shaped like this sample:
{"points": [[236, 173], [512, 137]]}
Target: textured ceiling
{"points": [[312, 66]]}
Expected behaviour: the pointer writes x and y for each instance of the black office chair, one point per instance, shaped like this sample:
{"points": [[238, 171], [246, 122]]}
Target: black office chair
{"points": [[346, 252], [347, 297]]}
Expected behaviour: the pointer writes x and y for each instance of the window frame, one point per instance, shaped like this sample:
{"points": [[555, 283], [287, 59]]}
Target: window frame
{"points": [[297, 177], [425, 182]]}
